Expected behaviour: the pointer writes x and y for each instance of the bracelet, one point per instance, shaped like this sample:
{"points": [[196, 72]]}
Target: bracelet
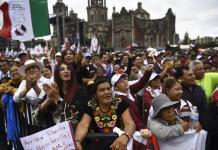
{"points": [[127, 135]]}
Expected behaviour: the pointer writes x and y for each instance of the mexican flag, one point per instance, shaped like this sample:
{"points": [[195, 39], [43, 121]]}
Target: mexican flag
{"points": [[24, 19]]}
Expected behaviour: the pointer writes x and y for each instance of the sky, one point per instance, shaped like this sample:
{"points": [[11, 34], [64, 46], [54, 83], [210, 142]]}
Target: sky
{"points": [[197, 17]]}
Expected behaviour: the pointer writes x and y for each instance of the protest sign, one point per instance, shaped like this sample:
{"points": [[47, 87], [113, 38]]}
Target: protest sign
{"points": [[58, 137]]}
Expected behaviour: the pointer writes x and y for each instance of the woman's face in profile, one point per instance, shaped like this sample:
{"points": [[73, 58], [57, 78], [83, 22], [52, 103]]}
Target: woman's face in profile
{"points": [[104, 93], [65, 73], [175, 93]]}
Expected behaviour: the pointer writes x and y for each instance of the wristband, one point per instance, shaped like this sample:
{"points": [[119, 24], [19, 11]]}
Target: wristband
{"points": [[127, 135]]}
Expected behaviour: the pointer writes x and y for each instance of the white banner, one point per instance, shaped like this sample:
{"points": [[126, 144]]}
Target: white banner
{"points": [[189, 141], [94, 44], [21, 21], [58, 137]]}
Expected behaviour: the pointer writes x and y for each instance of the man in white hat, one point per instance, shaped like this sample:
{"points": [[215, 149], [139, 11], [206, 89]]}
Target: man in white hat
{"points": [[30, 88], [127, 92]]}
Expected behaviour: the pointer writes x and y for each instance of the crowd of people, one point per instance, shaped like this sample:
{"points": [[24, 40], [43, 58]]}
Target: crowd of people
{"points": [[153, 93]]}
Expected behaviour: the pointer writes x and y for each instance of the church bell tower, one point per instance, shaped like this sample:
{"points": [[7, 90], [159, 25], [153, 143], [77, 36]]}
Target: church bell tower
{"points": [[97, 19]]}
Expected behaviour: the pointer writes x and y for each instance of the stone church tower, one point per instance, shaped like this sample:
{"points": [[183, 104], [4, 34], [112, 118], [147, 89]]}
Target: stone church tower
{"points": [[60, 10], [97, 24], [66, 25]]}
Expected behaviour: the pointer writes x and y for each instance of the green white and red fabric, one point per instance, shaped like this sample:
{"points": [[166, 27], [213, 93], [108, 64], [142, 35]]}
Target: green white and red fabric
{"points": [[24, 19]]}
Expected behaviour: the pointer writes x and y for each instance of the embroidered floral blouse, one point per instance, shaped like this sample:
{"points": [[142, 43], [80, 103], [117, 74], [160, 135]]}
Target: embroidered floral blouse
{"points": [[104, 122]]}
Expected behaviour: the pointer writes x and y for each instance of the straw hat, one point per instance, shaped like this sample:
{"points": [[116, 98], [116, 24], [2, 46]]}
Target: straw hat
{"points": [[28, 64]]}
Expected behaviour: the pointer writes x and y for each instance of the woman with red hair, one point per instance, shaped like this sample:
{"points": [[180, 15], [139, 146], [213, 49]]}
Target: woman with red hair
{"points": [[65, 99]]}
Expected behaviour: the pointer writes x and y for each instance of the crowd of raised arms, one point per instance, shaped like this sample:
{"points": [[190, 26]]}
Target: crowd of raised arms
{"points": [[153, 94]]}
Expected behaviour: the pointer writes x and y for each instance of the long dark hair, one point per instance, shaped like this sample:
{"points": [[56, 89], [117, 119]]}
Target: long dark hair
{"points": [[72, 85], [64, 53]]}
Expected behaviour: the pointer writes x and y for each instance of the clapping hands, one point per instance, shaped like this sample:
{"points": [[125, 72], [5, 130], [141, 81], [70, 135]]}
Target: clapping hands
{"points": [[52, 91]]}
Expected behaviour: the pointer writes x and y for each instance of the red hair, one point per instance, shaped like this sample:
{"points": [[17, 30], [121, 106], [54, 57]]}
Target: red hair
{"points": [[72, 85]]}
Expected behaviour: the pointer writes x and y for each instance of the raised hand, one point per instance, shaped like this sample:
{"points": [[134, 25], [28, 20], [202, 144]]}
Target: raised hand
{"points": [[52, 53], [197, 127], [52, 91], [149, 67]]}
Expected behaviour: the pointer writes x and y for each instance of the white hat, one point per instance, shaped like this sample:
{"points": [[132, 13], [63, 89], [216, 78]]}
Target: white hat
{"points": [[17, 60], [87, 54], [58, 54], [117, 77], [28, 64], [42, 59], [199, 57], [153, 76]]}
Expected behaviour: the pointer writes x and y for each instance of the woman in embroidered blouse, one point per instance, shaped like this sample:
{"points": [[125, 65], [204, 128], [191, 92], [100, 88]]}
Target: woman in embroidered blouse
{"points": [[103, 114]]}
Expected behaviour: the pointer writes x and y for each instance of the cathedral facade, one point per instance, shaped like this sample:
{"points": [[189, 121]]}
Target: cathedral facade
{"points": [[125, 28], [136, 27]]}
